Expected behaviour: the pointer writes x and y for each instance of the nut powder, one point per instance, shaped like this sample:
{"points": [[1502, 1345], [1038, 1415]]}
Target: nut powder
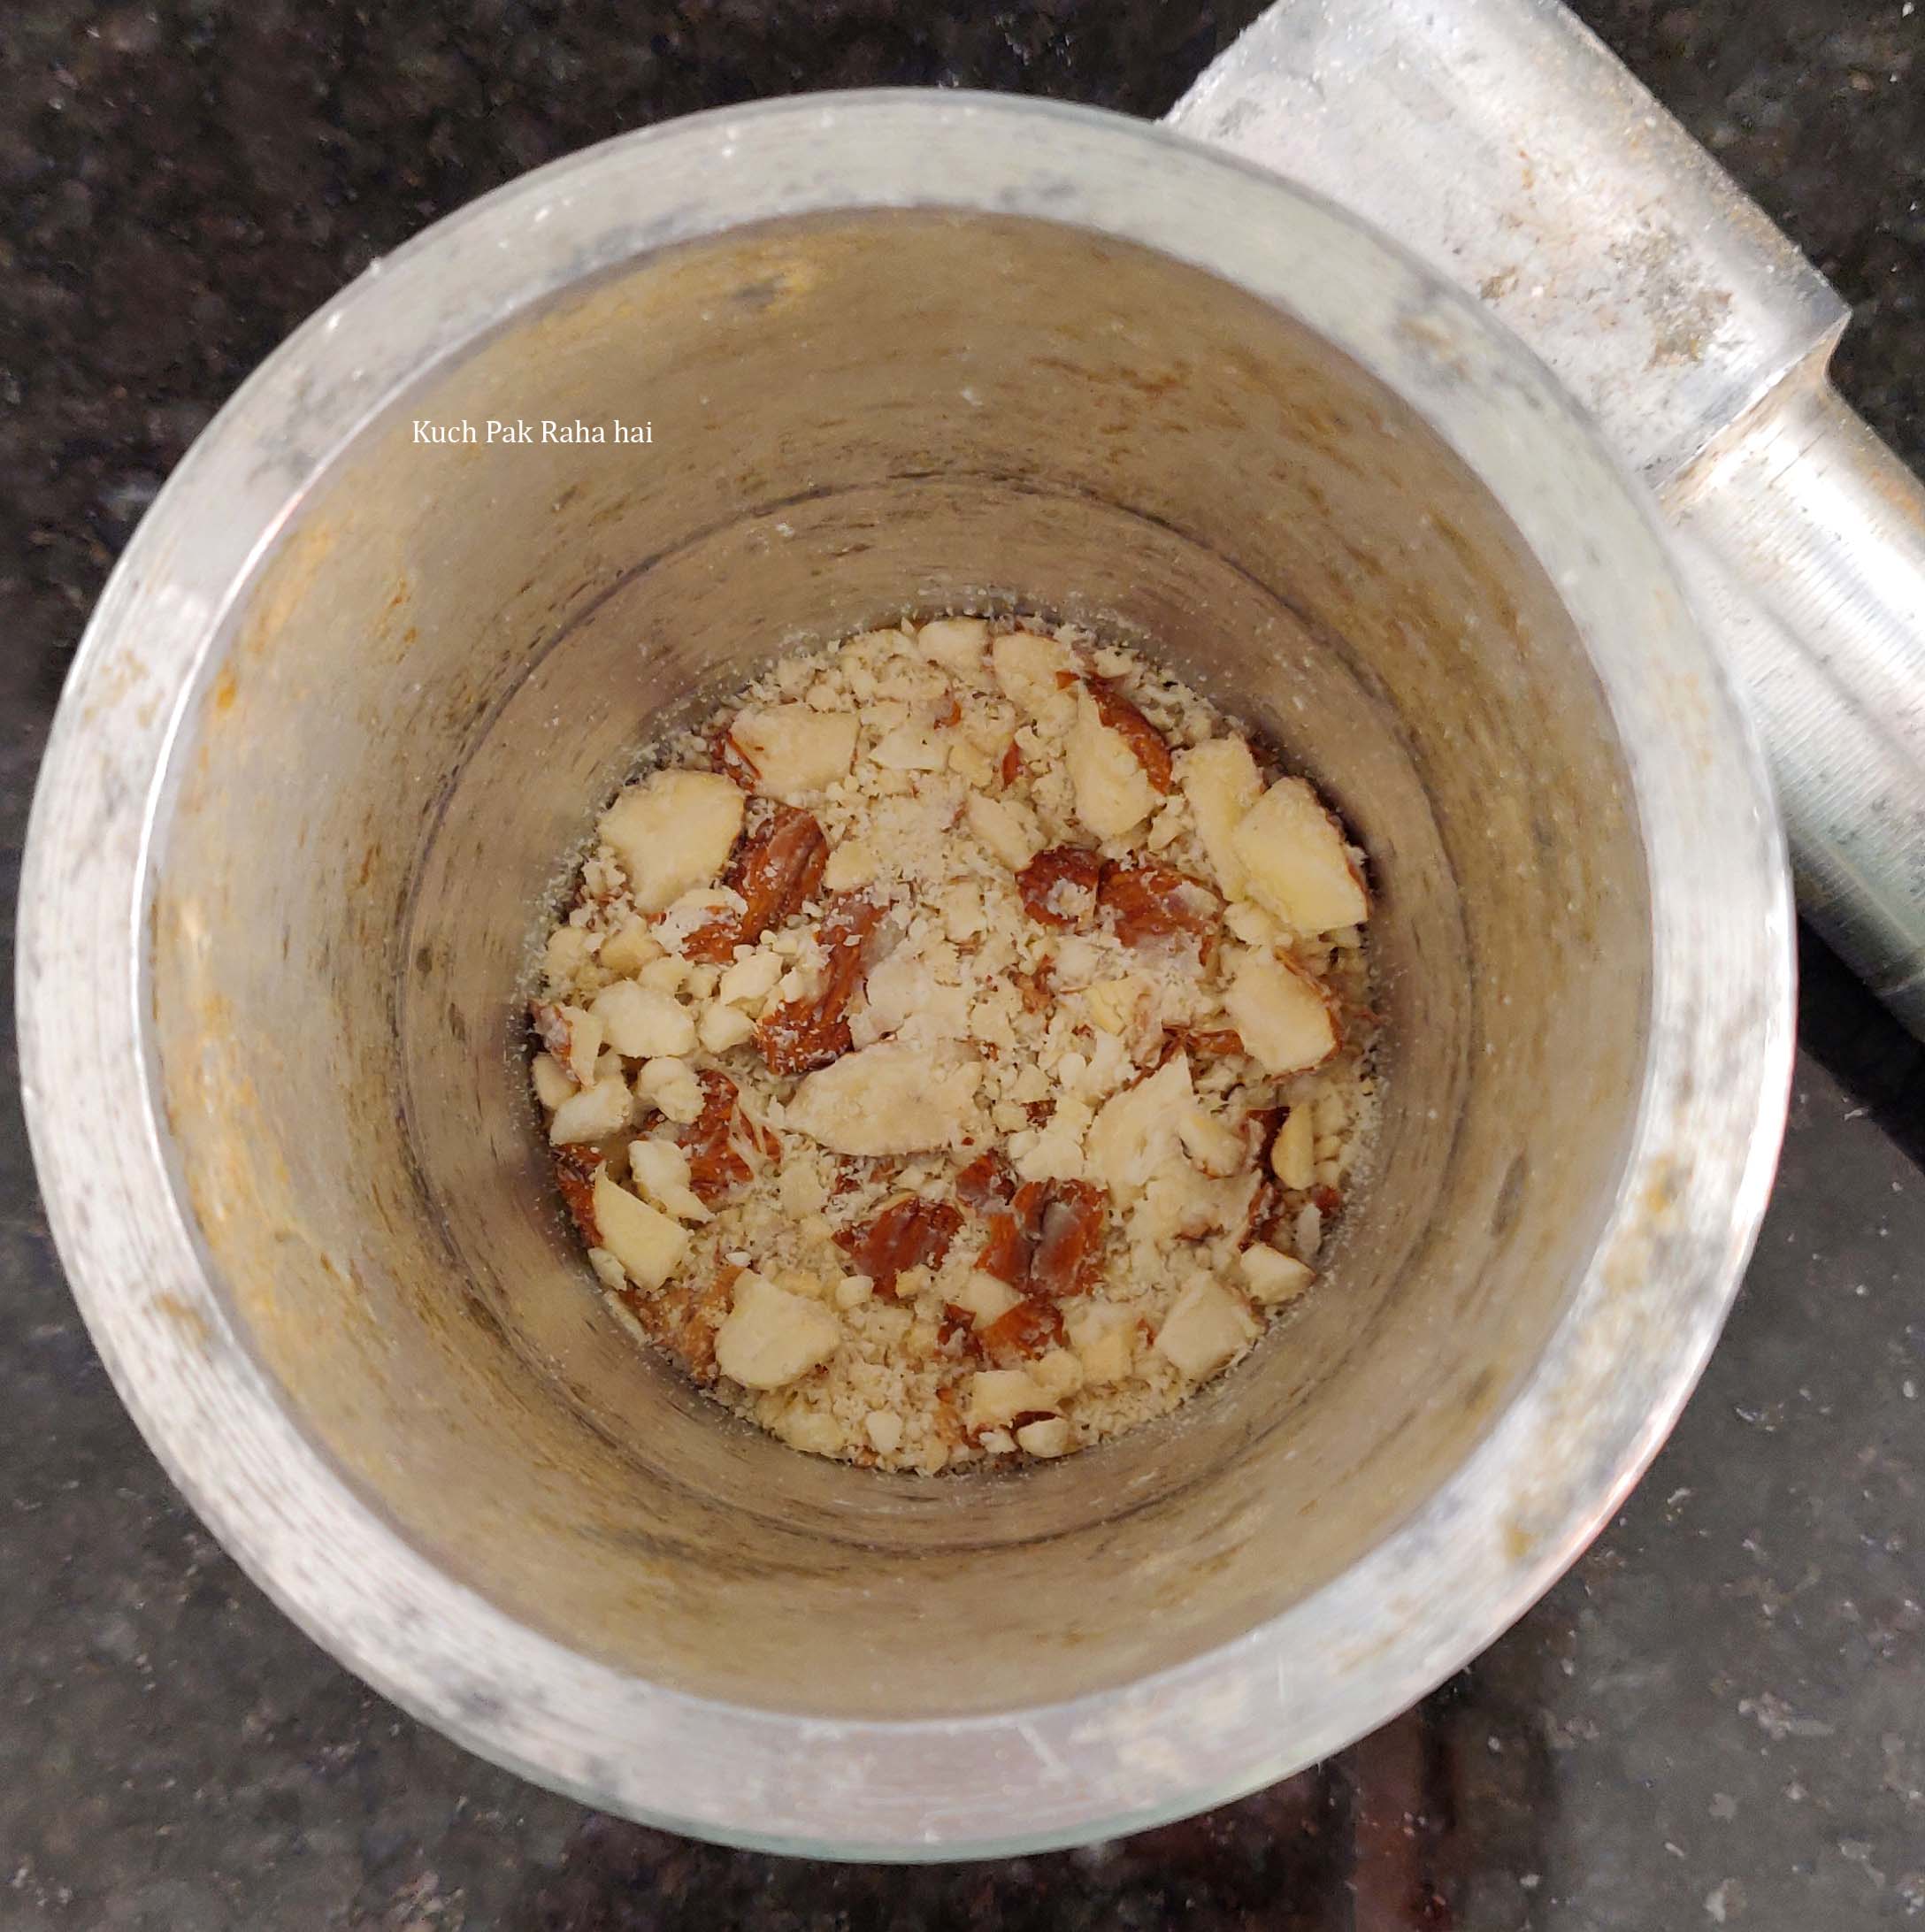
{"points": [[958, 1048]]}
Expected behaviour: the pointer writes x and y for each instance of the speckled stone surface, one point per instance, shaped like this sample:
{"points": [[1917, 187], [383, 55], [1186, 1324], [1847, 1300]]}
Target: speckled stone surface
{"points": [[1717, 1718]]}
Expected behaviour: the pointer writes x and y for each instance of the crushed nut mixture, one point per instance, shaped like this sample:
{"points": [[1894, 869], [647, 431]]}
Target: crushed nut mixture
{"points": [[957, 1049]]}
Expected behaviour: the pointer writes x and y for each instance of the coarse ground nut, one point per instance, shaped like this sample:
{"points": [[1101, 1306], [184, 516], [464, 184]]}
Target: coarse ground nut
{"points": [[661, 1172], [1272, 1276], [721, 1027], [848, 965], [593, 1113], [647, 1244], [998, 1396], [1206, 1327], [671, 831], [1293, 1153], [552, 1082], [640, 1022], [669, 1085], [797, 752], [1294, 855], [1049, 1437], [628, 949], [771, 1336]]}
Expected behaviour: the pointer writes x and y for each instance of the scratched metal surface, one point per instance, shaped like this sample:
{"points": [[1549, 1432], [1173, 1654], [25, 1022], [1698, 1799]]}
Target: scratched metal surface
{"points": [[1715, 1719]]}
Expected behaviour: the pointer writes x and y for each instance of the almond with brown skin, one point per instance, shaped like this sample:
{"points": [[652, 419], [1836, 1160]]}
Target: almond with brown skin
{"points": [[986, 1182], [1136, 731], [1261, 1215], [1034, 988], [1030, 1329], [1151, 904], [908, 1232], [955, 1332], [732, 761], [684, 1316], [1059, 887], [575, 1169], [776, 869], [803, 1034], [1048, 1239], [1069, 1242], [721, 1140]]}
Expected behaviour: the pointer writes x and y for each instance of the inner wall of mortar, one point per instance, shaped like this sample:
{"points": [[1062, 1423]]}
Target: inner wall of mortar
{"points": [[447, 667]]}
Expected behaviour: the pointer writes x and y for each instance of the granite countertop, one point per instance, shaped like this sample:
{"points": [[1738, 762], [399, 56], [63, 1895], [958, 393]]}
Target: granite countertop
{"points": [[1718, 1718]]}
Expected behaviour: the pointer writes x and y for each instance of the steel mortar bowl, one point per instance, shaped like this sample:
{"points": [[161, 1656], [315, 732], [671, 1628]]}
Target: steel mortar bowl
{"points": [[349, 696]]}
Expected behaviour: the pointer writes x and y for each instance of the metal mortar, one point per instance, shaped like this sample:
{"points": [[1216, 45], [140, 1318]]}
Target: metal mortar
{"points": [[348, 697]]}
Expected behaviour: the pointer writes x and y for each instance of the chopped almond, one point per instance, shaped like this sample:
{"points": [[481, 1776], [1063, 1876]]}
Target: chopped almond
{"points": [[1006, 831], [642, 1238], [1297, 861], [1220, 780], [886, 1098], [998, 1396], [572, 1034], [575, 1171], [1034, 1028], [1024, 1332], [1058, 887], [1135, 1135], [642, 1022], [1151, 904], [1145, 742], [552, 1082], [1206, 1327], [908, 1232], [1287, 1020], [960, 645], [797, 753], [723, 1147], [985, 1180], [775, 873], [773, 1336], [672, 831], [1273, 1277], [812, 1030], [1048, 1239], [1113, 793], [1030, 665], [594, 1114], [1293, 1152], [1047, 1437]]}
